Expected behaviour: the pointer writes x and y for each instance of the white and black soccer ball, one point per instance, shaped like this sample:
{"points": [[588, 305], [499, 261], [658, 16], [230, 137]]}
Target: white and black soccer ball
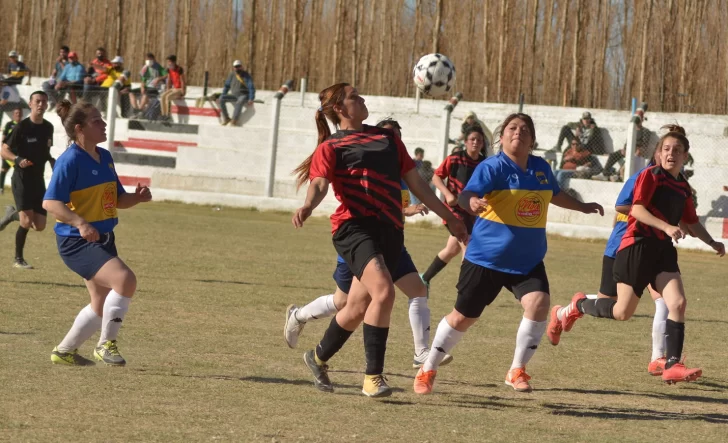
{"points": [[434, 74]]}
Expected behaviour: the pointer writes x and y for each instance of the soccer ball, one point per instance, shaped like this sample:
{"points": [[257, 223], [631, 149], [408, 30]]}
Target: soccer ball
{"points": [[434, 74]]}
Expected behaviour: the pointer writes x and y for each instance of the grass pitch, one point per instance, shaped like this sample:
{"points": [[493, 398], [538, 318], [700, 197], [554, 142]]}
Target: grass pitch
{"points": [[207, 360]]}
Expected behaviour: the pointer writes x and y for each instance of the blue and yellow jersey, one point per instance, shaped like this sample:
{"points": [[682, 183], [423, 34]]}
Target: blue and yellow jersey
{"points": [[88, 188], [405, 203], [510, 235], [620, 227]]}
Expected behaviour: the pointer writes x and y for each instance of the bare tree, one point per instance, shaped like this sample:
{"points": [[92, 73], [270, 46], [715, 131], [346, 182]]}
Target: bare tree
{"points": [[564, 9], [575, 54], [501, 45], [436, 29]]}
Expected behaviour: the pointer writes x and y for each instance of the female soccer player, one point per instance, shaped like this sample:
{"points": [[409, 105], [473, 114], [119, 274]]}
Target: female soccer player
{"points": [[406, 278], [662, 199], [457, 169], [364, 164], [608, 287], [83, 196], [510, 194]]}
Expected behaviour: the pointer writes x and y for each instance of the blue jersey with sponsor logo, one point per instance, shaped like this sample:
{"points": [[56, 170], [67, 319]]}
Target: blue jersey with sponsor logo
{"points": [[620, 226]]}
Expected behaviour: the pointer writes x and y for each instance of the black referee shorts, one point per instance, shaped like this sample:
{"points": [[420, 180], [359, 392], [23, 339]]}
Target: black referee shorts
{"points": [[29, 195], [360, 239], [478, 286], [638, 265]]}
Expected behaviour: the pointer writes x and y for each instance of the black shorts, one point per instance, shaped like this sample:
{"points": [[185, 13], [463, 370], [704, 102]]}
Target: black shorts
{"points": [[360, 239], [608, 286], [343, 276], [29, 195], [639, 265], [478, 286], [86, 258]]}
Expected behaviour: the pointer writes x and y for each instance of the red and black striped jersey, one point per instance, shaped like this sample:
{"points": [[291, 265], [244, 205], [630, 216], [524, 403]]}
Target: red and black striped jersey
{"points": [[668, 198], [457, 169], [364, 168]]}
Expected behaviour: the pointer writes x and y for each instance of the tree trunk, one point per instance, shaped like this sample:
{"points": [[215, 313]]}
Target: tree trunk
{"points": [[266, 46], [297, 22], [468, 80], [486, 53], [547, 40], [369, 38], [436, 30], [283, 44], [337, 40], [520, 62], [119, 21], [575, 55], [643, 63], [562, 27], [603, 55], [16, 25], [532, 65], [684, 52], [501, 47], [253, 32], [382, 38], [186, 34]]}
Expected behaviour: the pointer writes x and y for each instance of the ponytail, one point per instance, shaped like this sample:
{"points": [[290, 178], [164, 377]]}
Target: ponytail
{"points": [[329, 97]]}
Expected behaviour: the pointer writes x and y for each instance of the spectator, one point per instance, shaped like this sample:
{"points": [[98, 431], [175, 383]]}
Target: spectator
{"points": [[239, 88], [49, 85], [98, 71], [576, 159], [16, 70], [586, 130], [418, 158], [10, 100], [176, 86], [153, 76], [120, 79], [72, 76], [642, 149], [471, 119]]}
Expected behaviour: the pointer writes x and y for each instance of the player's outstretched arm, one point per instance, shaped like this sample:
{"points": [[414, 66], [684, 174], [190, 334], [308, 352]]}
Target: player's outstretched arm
{"points": [[317, 190], [698, 230], [564, 200]]}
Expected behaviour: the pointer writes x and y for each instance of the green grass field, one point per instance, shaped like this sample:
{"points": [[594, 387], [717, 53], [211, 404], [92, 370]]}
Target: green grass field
{"points": [[207, 360]]}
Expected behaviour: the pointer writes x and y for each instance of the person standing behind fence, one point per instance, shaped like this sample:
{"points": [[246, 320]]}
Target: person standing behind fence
{"points": [[176, 86], [48, 86], [29, 147], [84, 195], [239, 88]]}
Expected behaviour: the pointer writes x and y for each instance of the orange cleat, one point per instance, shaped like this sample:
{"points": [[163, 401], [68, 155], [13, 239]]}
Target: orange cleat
{"points": [[424, 381], [569, 319], [657, 366], [678, 372], [518, 380], [553, 331]]}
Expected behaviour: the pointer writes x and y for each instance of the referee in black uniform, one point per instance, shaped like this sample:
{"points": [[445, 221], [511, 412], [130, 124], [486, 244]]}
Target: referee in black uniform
{"points": [[29, 147]]}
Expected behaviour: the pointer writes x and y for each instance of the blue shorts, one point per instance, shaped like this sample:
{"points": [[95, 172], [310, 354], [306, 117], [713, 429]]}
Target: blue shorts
{"points": [[343, 276], [86, 258]]}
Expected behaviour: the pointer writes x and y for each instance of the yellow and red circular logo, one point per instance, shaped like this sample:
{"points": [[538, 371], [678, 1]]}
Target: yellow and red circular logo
{"points": [[108, 200], [530, 209]]}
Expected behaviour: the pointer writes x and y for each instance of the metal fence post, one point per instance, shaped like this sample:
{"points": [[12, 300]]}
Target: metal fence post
{"points": [[304, 84], [418, 93], [111, 117], [274, 136], [452, 103]]}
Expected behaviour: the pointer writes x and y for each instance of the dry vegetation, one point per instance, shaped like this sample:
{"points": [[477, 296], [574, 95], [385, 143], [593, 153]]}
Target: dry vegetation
{"points": [[590, 53]]}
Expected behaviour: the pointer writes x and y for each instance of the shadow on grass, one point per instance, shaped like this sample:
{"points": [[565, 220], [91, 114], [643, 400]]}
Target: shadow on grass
{"points": [[690, 320], [16, 333], [46, 283], [661, 396], [629, 413], [412, 377], [234, 282]]}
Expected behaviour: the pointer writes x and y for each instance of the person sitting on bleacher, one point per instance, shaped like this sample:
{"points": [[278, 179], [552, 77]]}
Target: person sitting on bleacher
{"points": [[577, 160], [98, 71], [238, 89], [586, 130], [72, 76], [49, 85], [120, 79], [642, 149], [16, 70], [153, 76], [176, 86]]}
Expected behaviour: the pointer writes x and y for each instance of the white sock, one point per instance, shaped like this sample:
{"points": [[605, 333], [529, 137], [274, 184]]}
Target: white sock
{"points": [[322, 307], [85, 325], [419, 316], [446, 337], [658, 329], [592, 296], [115, 308], [527, 340]]}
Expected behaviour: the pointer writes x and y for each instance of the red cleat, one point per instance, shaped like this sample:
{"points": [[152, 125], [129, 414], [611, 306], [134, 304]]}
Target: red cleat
{"points": [[424, 381], [553, 331], [573, 312], [518, 380], [678, 372], [657, 367]]}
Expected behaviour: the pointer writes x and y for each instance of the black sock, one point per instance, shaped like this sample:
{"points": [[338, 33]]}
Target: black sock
{"points": [[20, 241], [675, 337], [600, 307], [375, 346], [2, 178], [436, 266], [334, 338]]}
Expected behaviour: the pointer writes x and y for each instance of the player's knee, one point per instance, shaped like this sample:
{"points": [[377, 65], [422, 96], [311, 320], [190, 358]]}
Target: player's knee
{"points": [[621, 315], [128, 282], [383, 293], [39, 226], [536, 304], [678, 306], [458, 321]]}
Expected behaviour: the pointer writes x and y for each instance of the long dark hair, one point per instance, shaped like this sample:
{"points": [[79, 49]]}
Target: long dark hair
{"points": [[525, 117], [333, 95]]}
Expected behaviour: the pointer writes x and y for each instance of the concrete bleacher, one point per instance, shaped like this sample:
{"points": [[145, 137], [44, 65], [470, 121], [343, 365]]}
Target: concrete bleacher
{"points": [[195, 156]]}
